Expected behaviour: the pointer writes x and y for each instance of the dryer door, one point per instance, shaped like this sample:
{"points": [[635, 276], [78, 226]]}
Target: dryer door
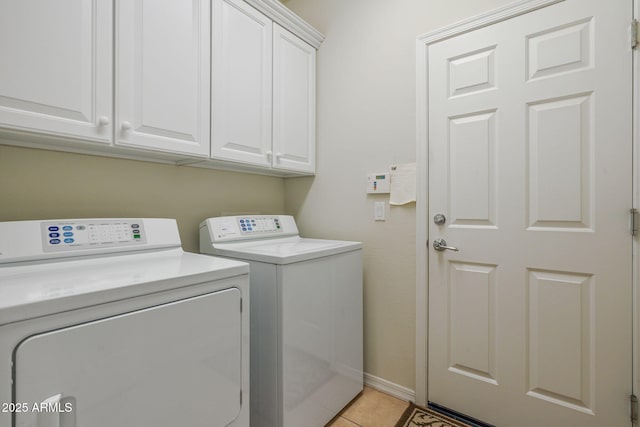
{"points": [[176, 364]]}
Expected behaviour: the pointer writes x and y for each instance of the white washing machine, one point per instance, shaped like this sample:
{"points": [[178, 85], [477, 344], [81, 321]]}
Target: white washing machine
{"points": [[107, 322], [306, 317]]}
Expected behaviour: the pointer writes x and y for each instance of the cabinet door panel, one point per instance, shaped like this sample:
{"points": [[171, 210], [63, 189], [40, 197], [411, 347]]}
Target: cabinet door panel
{"points": [[56, 75], [294, 101], [241, 83], [163, 54]]}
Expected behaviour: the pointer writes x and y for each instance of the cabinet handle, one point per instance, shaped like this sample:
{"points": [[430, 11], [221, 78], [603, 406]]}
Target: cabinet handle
{"points": [[126, 126], [103, 121], [278, 156]]}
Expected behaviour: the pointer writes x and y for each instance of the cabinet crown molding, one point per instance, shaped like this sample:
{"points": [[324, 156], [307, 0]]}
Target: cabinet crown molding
{"points": [[286, 18]]}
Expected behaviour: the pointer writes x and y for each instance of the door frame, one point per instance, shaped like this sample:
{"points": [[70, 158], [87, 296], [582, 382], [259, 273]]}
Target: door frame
{"points": [[423, 42], [636, 204]]}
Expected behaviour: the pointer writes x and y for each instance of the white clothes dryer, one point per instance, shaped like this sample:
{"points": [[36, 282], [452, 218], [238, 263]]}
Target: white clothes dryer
{"points": [[107, 322], [306, 317]]}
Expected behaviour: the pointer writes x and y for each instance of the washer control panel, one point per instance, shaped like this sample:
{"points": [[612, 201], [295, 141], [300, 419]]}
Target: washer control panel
{"points": [[247, 227], [252, 225], [91, 234]]}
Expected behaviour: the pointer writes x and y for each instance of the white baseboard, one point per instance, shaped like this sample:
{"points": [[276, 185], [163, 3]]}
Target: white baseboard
{"points": [[395, 390]]}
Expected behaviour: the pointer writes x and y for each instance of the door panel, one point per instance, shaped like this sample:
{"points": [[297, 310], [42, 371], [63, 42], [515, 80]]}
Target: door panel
{"points": [[472, 158], [472, 320], [559, 187], [561, 338], [530, 161]]}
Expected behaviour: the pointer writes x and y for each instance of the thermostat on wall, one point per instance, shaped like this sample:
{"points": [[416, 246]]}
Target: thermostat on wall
{"points": [[378, 183]]}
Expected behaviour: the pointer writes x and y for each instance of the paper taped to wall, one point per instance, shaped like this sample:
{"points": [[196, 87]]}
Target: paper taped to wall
{"points": [[403, 184]]}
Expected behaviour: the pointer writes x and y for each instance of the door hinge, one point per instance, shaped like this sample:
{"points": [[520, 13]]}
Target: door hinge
{"points": [[634, 408], [634, 34], [634, 221]]}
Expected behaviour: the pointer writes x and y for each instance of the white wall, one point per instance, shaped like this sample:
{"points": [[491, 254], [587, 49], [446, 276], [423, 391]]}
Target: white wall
{"points": [[366, 122]]}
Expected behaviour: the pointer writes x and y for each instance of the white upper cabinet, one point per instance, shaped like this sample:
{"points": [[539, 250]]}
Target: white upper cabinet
{"points": [[56, 72], [294, 102], [263, 91], [213, 83], [242, 79], [163, 75]]}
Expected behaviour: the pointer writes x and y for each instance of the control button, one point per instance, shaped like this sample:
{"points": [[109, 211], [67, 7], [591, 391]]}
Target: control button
{"points": [[135, 226], [244, 228], [242, 221], [81, 227], [136, 231], [54, 234], [69, 240], [67, 234], [54, 228], [136, 236], [67, 228], [54, 241]]}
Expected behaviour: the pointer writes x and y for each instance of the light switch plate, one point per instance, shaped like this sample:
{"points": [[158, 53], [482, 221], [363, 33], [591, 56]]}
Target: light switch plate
{"points": [[379, 211]]}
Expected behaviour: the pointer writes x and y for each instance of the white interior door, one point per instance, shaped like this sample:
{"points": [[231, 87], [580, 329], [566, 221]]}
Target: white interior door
{"points": [[530, 160]]}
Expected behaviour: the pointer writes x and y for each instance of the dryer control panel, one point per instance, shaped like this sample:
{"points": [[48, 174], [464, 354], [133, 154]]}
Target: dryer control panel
{"points": [[61, 238], [82, 234]]}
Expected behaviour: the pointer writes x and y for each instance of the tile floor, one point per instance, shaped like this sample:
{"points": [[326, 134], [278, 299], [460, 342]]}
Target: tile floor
{"points": [[371, 409]]}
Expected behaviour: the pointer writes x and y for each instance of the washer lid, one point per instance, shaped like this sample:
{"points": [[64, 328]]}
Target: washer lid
{"points": [[34, 289], [284, 250]]}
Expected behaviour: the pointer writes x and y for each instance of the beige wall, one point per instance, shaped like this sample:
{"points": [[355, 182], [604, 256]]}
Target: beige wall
{"points": [[41, 184], [366, 121]]}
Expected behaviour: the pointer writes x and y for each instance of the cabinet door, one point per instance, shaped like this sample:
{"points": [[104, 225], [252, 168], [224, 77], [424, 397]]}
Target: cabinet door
{"points": [[242, 61], [56, 72], [294, 102], [163, 75]]}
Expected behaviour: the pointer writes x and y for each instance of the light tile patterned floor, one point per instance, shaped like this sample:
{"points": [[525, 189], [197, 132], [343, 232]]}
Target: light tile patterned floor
{"points": [[372, 409]]}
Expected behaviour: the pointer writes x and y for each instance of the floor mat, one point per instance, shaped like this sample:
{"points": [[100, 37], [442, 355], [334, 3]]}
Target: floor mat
{"points": [[415, 416]]}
